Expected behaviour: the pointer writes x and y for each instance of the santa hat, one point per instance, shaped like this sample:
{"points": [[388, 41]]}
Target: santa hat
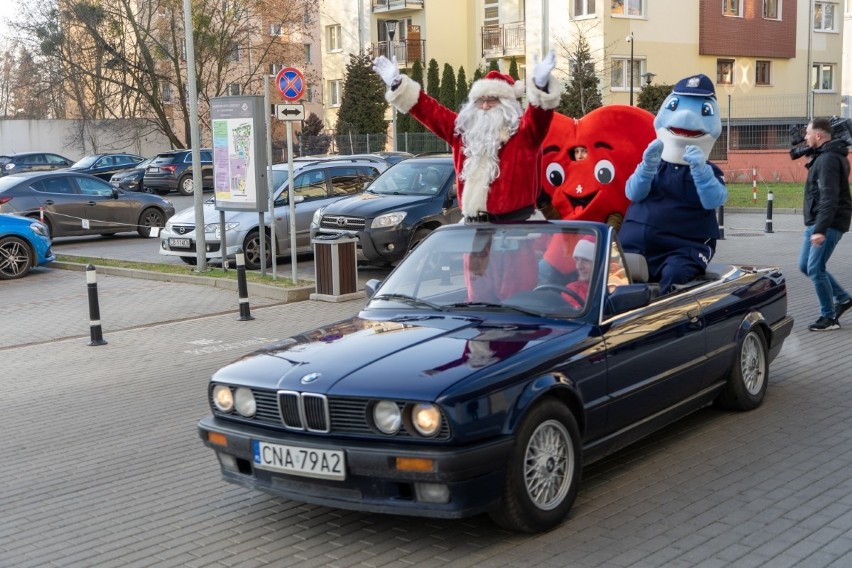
{"points": [[585, 249], [496, 84]]}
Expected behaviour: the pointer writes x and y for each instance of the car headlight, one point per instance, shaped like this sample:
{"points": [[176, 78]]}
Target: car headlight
{"points": [[426, 418], [39, 229], [387, 417], [214, 227], [244, 402], [223, 398], [10, 166], [317, 218], [388, 220]]}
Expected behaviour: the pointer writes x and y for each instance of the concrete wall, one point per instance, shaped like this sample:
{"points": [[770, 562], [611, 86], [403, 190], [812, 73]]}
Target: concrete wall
{"points": [[77, 138]]}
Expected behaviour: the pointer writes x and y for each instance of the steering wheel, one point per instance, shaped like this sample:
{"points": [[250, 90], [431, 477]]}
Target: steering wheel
{"points": [[562, 290]]}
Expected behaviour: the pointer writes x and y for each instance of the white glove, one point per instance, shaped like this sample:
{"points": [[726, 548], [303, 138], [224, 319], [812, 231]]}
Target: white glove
{"points": [[542, 69], [387, 69]]}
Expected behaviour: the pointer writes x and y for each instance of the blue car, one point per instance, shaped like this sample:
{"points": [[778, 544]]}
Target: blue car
{"points": [[24, 244], [465, 386]]}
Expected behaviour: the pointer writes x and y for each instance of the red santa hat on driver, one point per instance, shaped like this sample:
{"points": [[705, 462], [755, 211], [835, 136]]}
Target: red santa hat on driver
{"points": [[496, 84]]}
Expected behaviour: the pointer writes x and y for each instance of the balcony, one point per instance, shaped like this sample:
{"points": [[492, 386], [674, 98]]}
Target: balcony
{"points": [[406, 51], [397, 6], [504, 40]]}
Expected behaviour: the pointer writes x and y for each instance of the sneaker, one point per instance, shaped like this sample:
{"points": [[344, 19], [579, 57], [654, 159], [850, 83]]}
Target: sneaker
{"points": [[841, 307], [824, 324]]}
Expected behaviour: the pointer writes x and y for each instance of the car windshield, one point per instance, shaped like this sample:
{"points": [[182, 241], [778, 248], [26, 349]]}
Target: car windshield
{"points": [[413, 177], [496, 267], [85, 162]]}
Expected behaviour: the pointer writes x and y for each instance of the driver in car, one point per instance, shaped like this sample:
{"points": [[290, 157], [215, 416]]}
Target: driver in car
{"points": [[584, 258]]}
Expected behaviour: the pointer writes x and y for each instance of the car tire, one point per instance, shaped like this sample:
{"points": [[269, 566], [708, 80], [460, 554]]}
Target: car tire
{"points": [[749, 375], [190, 260], [418, 238], [185, 185], [16, 258], [543, 474], [251, 251], [150, 218]]}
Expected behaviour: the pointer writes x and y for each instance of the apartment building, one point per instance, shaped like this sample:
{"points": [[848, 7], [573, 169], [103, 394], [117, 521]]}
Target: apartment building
{"points": [[846, 89]]}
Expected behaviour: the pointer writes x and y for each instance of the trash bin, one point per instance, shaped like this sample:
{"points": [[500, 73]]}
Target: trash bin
{"points": [[335, 268]]}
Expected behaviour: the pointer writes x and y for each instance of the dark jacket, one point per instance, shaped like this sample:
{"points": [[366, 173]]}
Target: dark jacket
{"points": [[827, 200]]}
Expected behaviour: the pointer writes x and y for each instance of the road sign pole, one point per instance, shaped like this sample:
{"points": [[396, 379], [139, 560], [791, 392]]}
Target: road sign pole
{"points": [[270, 189], [291, 199]]}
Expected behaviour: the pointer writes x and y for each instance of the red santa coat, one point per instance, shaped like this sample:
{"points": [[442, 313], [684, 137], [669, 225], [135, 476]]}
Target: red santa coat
{"points": [[518, 184]]}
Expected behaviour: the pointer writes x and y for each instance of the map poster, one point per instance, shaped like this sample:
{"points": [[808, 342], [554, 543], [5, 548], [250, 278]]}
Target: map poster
{"points": [[239, 162]]}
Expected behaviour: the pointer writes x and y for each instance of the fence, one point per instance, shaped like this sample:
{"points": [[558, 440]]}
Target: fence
{"points": [[413, 142]]}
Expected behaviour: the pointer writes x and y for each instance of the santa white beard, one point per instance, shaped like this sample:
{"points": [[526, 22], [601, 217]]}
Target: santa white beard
{"points": [[483, 133]]}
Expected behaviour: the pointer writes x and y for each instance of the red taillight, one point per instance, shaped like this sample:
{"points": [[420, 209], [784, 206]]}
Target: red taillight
{"points": [[170, 169]]}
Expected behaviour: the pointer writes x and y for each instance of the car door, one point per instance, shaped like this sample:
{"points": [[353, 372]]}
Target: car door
{"points": [[310, 191], [206, 168], [105, 213], [656, 357], [63, 208]]}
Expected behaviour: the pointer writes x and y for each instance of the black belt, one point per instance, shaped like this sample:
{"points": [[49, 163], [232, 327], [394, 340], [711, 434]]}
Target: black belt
{"points": [[486, 217]]}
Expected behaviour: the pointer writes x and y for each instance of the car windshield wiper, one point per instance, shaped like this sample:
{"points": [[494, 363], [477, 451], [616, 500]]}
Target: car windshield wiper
{"points": [[492, 305], [405, 299]]}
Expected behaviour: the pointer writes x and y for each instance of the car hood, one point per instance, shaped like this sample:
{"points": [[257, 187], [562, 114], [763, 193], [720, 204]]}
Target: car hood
{"points": [[373, 204], [407, 357]]}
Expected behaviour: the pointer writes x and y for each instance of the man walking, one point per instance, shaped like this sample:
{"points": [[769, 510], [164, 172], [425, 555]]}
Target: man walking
{"points": [[827, 213]]}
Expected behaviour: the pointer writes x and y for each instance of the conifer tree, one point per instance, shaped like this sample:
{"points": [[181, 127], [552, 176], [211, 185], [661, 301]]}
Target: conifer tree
{"points": [[581, 94], [363, 104], [448, 87], [433, 83], [462, 88], [513, 69], [478, 74], [493, 66], [417, 77]]}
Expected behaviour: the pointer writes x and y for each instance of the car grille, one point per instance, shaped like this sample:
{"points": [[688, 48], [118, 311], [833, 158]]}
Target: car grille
{"points": [[342, 223], [182, 229], [320, 414]]}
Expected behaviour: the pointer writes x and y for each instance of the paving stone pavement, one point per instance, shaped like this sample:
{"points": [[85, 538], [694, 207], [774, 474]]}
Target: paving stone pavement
{"points": [[102, 466]]}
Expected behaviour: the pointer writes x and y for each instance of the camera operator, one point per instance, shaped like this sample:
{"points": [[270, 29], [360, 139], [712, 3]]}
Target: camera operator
{"points": [[827, 214]]}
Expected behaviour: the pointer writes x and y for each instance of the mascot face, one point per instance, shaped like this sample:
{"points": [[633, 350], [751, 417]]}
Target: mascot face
{"points": [[591, 187], [685, 120]]}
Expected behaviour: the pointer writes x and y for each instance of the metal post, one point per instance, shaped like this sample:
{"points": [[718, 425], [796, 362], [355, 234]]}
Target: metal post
{"points": [[96, 333], [722, 222], [273, 248], [754, 185], [245, 309], [769, 198], [195, 140], [291, 197], [630, 41]]}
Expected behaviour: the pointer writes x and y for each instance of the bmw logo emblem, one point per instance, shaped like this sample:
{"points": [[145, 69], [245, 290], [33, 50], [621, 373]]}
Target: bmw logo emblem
{"points": [[310, 378]]}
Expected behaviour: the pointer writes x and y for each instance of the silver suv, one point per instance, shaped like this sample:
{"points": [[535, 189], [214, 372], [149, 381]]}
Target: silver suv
{"points": [[317, 184]]}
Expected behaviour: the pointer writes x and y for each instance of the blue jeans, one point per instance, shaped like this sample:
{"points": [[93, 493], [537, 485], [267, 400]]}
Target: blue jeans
{"points": [[812, 263]]}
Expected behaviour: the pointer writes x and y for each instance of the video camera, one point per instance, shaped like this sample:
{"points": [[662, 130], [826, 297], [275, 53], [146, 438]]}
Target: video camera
{"points": [[841, 129]]}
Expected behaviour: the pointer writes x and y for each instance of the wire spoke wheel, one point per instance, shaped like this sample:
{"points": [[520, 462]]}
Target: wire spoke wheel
{"points": [[548, 461], [753, 364]]}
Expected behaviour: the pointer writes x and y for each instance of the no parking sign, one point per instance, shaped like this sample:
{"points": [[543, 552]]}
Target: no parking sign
{"points": [[290, 84]]}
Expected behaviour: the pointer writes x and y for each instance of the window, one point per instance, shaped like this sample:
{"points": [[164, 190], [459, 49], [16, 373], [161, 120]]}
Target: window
{"points": [[724, 71], [54, 185], [94, 187], [235, 53], [334, 92], [584, 8], [628, 8], [824, 16], [620, 77], [167, 93], [310, 185], [822, 77], [333, 38], [274, 68], [732, 8], [307, 48], [309, 95], [772, 9], [491, 17], [235, 89], [275, 29], [762, 72], [346, 180]]}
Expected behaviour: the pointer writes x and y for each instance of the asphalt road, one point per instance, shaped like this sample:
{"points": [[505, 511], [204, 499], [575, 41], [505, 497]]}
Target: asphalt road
{"points": [[102, 466]]}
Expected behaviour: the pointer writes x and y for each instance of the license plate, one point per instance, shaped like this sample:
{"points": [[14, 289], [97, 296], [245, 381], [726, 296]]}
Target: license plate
{"points": [[307, 462], [179, 243], [153, 169]]}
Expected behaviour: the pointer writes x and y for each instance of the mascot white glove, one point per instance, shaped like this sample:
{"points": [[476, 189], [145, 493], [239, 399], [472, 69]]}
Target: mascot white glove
{"points": [[542, 69], [387, 69]]}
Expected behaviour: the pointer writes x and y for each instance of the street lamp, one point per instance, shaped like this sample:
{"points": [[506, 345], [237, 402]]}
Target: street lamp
{"points": [[648, 78], [390, 26], [630, 41]]}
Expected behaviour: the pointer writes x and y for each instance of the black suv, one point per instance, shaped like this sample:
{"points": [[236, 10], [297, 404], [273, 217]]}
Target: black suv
{"points": [[172, 171], [32, 162], [397, 211]]}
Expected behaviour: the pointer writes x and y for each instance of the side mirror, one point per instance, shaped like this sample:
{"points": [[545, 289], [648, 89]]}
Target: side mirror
{"points": [[298, 198], [371, 286]]}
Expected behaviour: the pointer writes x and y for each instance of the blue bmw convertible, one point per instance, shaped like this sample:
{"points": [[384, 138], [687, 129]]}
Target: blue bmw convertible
{"points": [[470, 385]]}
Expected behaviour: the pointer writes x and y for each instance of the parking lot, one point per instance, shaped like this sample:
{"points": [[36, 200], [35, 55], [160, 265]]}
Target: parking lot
{"points": [[102, 465]]}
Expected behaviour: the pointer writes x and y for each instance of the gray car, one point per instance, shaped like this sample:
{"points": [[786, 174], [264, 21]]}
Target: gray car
{"points": [[317, 183]]}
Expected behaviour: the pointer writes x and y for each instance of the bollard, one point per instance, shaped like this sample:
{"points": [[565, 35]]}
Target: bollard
{"points": [[769, 198], [97, 337], [721, 222], [754, 185], [245, 310]]}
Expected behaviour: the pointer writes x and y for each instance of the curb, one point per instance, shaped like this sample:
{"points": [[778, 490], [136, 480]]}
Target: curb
{"points": [[284, 295]]}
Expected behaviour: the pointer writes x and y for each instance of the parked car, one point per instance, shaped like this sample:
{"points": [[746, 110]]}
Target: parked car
{"points": [[32, 162], [105, 165], [390, 158], [80, 204], [446, 398], [394, 157], [172, 171], [24, 244], [317, 183], [397, 211], [131, 180]]}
